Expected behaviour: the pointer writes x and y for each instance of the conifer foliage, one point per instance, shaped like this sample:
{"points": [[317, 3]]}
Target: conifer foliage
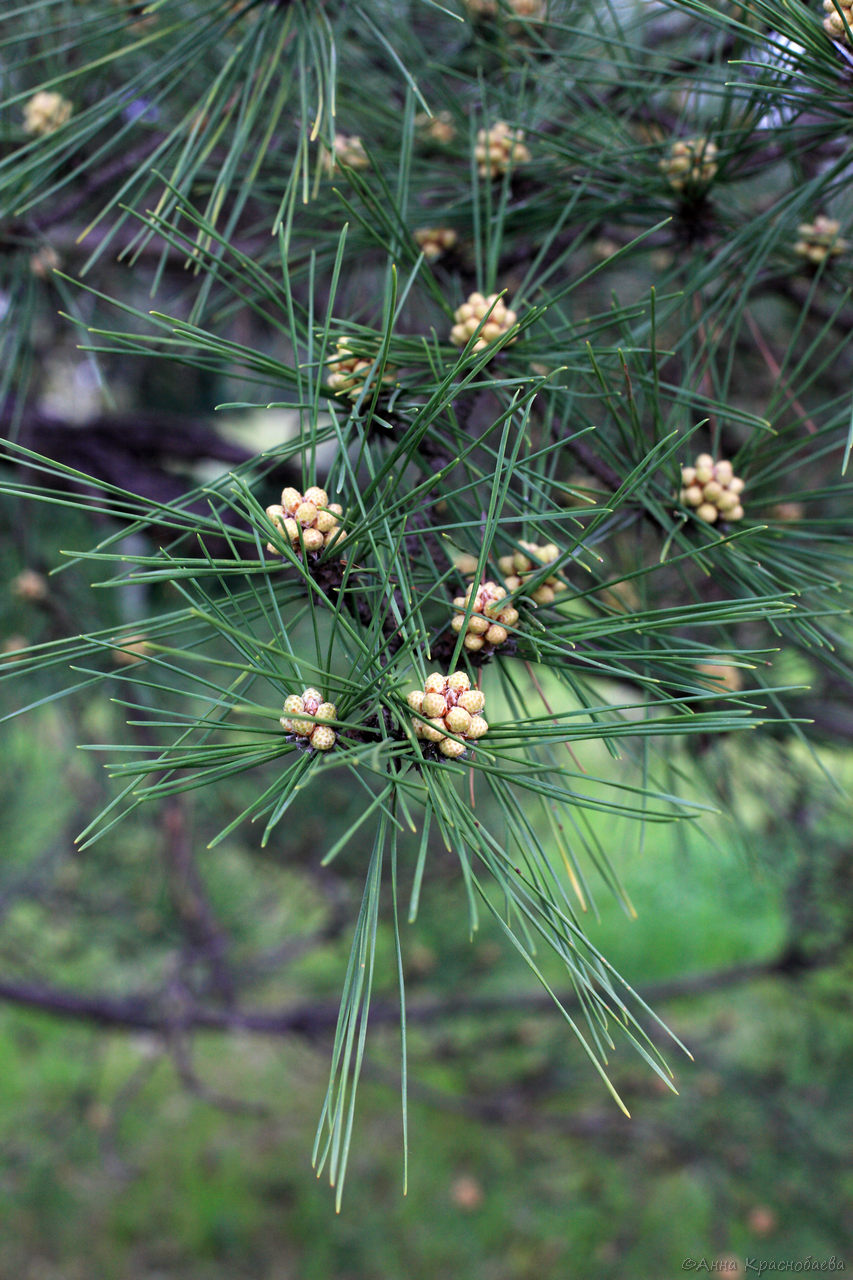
{"points": [[571, 418]]}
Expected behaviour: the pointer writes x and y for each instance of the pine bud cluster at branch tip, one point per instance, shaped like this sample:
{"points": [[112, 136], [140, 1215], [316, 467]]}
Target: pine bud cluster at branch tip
{"points": [[135, 648], [349, 371], [438, 128], [309, 514], [712, 488], [490, 618], [434, 241], [604, 248], [12, 645], [30, 585], [787, 511], [466, 564], [469, 316], [716, 676], [346, 150], [44, 262], [534, 10], [819, 239], [621, 596], [499, 149], [833, 24], [45, 112], [319, 734], [451, 706], [692, 162], [518, 567]]}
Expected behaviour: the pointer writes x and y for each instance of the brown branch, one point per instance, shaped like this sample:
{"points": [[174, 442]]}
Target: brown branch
{"points": [[204, 935], [158, 1013]]}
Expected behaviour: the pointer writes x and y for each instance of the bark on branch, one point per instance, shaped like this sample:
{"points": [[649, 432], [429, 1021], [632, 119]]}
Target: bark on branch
{"points": [[153, 1012]]}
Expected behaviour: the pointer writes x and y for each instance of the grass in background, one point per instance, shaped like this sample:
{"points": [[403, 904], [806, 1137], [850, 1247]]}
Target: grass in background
{"points": [[114, 1168]]}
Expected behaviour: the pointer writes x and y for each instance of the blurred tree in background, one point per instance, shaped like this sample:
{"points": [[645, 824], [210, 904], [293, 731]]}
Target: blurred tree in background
{"points": [[513, 566]]}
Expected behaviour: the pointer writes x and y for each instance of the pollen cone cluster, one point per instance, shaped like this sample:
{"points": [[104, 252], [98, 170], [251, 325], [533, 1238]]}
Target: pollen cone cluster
{"points": [[499, 149], [134, 648], [347, 150], [438, 128], [470, 315], [518, 567], [787, 511], [833, 24], [720, 678], [451, 706], [45, 112], [309, 514], [320, 735], [30, 585], [45, 261], [434, 241], [534, 10], [819, 239], [691, 162], [489, 621], [712, 488], [348, 371]]}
